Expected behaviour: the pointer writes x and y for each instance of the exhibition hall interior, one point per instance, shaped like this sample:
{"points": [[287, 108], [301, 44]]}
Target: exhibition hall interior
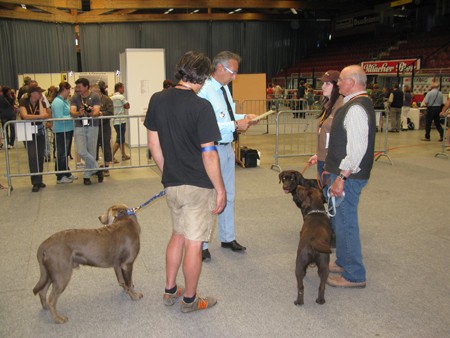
{"points": [[129, 51]]}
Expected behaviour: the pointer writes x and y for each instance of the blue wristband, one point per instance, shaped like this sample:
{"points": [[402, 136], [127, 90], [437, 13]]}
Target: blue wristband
{"points": [[209, 148]]}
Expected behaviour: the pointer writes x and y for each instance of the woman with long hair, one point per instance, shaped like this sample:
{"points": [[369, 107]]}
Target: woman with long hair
{"points": [[332, 100]]}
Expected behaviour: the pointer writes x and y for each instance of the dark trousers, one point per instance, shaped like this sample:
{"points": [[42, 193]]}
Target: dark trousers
{"points": [[10, 132], [433, 115], [104, 140], [36, 149], [63, 143]]}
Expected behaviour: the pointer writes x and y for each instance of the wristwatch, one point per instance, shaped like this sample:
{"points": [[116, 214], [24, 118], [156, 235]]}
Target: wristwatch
{"points": [[342, 177]]}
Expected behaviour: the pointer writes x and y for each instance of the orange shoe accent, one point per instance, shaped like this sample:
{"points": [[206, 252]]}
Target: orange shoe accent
{"points": [[202, 304]]}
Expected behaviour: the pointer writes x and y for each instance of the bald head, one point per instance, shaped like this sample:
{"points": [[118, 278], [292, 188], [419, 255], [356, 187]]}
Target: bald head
{"points": [[353, 79]]}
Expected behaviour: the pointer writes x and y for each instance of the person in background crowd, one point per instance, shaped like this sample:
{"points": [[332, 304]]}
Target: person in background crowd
{"points": [[216, 91], [396, 104], [269, 95], [32, 107], [309, 97], [407, 99], [24, 88], [8, 113], [120, 124], [48, 124], [433, 101], [378, 104], [349, 160], [103, 87], [181, 135], [63, 131], [445, 110], [332, 101], [83, 106], [104, 130], [301, 90]]}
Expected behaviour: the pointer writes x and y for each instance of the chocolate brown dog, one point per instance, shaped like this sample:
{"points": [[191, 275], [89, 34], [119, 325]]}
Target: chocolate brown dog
{"points": [[315, 237], [291, 179], [115, 245]]}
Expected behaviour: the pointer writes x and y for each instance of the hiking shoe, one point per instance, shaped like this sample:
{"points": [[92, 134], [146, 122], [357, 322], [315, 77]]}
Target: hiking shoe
{"points": [[198, 304], [170, 298]]}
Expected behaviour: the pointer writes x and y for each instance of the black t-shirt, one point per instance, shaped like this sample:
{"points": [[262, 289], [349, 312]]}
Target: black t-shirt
{"points": [[183, 121], [31, 110]]}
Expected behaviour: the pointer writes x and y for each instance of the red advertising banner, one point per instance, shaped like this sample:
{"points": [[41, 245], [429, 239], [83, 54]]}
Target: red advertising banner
{"points": [[390, 66]]}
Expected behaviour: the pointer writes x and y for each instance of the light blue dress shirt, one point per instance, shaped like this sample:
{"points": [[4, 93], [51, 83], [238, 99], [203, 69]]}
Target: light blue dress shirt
{"points": [[211, 91]]}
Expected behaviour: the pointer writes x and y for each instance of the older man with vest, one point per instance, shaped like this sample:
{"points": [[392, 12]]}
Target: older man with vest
{"points": [[349, 161]]}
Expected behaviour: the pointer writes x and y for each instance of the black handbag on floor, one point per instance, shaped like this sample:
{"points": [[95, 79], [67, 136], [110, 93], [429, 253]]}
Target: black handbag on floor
{"points": [[249, 157]]}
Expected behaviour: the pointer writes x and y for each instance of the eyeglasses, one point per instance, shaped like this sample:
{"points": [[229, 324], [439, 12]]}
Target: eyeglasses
{"points": [[229, 70]]}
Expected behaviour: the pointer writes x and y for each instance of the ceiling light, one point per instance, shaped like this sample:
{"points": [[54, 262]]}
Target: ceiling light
{"points": [[238, 10], [168, 11], [23, 6], [195, 11], [293, 11], [232, 12]]}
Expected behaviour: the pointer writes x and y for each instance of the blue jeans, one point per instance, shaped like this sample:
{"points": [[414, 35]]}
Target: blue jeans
{"points": [[86, 143], [63, 143], [226, 217], [346, 227]]}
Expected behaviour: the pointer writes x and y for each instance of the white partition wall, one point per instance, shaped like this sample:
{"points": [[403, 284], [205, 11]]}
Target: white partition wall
{"points": [[142, 71]]}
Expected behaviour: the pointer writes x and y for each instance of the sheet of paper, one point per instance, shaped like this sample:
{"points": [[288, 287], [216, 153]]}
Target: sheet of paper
{"points": [[259, 117], [25, 131]]}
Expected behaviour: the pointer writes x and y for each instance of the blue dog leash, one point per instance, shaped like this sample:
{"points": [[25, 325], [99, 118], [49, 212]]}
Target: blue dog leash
{"points": [[133, 211]]}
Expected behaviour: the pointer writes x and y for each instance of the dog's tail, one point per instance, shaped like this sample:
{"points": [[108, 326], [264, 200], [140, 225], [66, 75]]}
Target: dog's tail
{"points": [[321, 246], [44, 273]]}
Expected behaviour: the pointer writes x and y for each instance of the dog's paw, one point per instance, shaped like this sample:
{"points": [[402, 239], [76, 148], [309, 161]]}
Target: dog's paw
{"points": [[135, 295], [320, 301], [297, 302], [60, 319]]}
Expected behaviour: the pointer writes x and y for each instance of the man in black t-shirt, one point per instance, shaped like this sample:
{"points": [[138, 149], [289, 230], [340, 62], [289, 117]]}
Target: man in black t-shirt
{"points": [[182, 131]]}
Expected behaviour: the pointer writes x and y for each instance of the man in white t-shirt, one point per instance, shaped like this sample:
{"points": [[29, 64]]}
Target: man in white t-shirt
{"points": [[120, 124]]}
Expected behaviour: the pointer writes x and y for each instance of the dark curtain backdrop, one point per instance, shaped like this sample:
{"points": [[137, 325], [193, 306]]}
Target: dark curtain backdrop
{"points": [[35, 47], [101, 45], [265, 47]]}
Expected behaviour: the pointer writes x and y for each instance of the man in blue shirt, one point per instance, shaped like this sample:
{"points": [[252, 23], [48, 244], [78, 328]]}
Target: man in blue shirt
{"points": [[216, 91]]}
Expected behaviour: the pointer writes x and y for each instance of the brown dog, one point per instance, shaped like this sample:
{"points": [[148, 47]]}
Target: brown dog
{"points": [[115, 245], [315, 237], [291, 179]]}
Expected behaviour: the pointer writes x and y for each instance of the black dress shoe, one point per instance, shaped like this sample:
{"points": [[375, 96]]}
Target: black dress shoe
{"points": [[42, 185], [35, 188], [233, 245], [87, 181], [206, 256], [100, 176]]}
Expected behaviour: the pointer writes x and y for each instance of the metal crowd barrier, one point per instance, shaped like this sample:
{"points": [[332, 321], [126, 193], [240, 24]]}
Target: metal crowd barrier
{"points": [[17, 164], [296, 135], [382, 135], [444, 137], [259, 107]]}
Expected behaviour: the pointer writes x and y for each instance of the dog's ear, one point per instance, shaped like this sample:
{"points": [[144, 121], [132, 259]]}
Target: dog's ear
{"points": [[299, 178]]}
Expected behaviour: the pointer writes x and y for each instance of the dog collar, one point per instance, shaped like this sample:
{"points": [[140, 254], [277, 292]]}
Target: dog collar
{"points": [[131, 211], [316, 211]]}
